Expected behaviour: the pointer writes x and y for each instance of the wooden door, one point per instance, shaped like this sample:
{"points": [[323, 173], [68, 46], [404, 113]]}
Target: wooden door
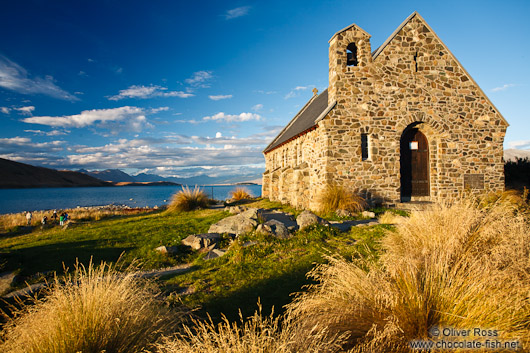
{"points": [[414, 164]]}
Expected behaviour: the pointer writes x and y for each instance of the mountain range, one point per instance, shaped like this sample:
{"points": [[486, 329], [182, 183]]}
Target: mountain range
{"points": [[116, 175]]}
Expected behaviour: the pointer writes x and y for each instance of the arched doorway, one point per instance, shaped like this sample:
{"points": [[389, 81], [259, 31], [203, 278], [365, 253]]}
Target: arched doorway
{"points": [[414, 164]]}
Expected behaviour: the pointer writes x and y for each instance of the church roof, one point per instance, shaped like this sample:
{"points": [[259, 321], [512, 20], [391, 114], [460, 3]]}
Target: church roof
{"points": [[304, 121]]}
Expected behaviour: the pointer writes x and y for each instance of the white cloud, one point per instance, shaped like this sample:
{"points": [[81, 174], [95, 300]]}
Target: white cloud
{"points": [[199, 79], [295, 92], [503, 87], [218, 135], [521, 144], [15, 78], [5, 110], [23, 148], [257, 107], [160, 109], [231, 118], [237, 12], [144, 92], [219, 97], [191, 121], [26, 110], [49, 133], [116, 119]]}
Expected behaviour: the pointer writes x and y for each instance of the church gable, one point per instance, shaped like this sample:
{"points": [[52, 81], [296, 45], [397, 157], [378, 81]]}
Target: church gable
{"points": [[415, 49]]}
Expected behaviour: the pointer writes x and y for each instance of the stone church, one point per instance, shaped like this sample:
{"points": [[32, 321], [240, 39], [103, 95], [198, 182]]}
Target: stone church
{"points": [[404, 122]]}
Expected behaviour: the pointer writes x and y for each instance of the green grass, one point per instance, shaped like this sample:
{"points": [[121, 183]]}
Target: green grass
{"points": [[270, 270], [105, 240]]}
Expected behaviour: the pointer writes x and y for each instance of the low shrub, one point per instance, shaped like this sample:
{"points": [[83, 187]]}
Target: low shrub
{"points": [[188, 200], [240, 193], [336, 197], [90, 310], [462, 266]]}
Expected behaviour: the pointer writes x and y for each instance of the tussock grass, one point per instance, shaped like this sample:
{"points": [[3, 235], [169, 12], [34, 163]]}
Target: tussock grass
{"points": [[336, 197], [257, 334], [90, 310], [188, 200], [463, 266], [240, 193], [389, 217]]}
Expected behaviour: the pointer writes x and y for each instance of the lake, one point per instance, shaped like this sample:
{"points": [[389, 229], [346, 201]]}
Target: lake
{"points": [[20, 200]]}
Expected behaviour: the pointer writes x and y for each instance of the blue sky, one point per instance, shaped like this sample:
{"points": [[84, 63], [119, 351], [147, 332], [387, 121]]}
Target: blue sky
{"points": [[181, 88]]}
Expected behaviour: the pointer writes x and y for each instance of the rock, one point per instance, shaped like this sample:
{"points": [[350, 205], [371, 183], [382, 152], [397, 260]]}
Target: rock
{"points": [[214, 254], [162, 249], [343, 213], [263, 229], [236, 209], [251, 213], [308, 218], [249, 243], [368, 214], [278, 229], [170, 250], [238, 224], [198, 241], [6, 280]]}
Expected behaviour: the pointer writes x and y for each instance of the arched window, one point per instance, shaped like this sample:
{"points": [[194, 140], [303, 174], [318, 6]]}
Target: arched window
{"points": [[351, 53]]}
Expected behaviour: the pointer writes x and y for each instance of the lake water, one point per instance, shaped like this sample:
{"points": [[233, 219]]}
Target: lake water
{"points": [[20, 200]]}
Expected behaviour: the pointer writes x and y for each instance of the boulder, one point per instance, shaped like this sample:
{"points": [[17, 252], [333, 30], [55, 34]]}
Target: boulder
{"points": [[251, 213], [170, 250], [214, 254], [368, 214], [236, 209], [277, 229], [199, 241], [308, 218], [238, 224]]}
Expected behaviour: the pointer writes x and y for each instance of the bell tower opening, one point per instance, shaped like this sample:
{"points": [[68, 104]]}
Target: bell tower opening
{"points": [[351, 55]]}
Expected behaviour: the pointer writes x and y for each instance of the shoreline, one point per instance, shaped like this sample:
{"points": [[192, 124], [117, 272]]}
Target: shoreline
{"points": [[109, 207]]}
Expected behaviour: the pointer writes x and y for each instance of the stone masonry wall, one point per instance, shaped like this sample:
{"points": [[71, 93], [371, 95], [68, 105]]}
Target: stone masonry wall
{"points": [[414, 80]]}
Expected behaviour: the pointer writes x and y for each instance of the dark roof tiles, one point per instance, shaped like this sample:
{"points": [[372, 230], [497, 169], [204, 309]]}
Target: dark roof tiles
{"points": [[303, 121]]}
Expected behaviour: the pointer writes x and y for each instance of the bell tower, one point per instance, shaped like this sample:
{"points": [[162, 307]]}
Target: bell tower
{"points": [[349, 51]]}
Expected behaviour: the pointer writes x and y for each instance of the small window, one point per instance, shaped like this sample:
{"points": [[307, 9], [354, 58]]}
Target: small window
{"points": [[351, 55], [364, 147]]}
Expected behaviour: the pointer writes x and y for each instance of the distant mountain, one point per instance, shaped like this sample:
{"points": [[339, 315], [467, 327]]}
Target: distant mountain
{"points": [[512, 154], [19, 175], [117, 176], [114, 175], [142, 177]]}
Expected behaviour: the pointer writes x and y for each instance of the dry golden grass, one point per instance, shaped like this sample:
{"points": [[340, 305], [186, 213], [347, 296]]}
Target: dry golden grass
{"points": [[335, 197], [462, 266], [257, 334], [91, 310], [188, 200], [240, 193], [391, 218], [8, 221]]}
